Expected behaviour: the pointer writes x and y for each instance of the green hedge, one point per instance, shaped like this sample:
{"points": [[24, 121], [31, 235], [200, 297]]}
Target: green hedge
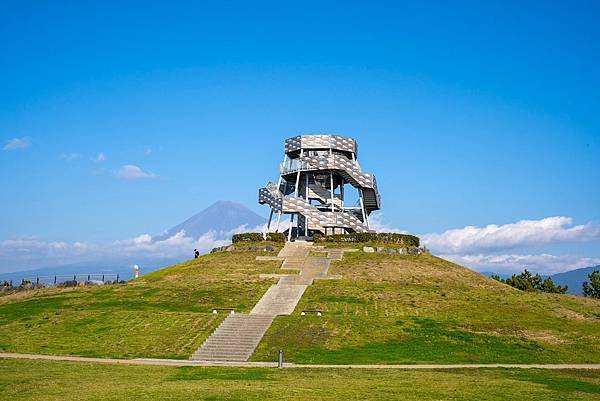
{"points": [[257, 237], [276, 237], [389, 238]]}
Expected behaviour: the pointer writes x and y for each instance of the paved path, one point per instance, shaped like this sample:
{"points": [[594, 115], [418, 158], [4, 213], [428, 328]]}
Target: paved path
{"points": [[238, 335], [176, 362]]}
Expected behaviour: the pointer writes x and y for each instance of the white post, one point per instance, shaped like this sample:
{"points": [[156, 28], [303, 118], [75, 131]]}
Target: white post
{"points": [[307, 201], [269, 224], [290, 229], [296, 192], [362, 208], [298, 175], [278, 221], [332, 201]]}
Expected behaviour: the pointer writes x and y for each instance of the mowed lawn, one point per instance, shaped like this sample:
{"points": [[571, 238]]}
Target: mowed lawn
{"points": [[423, 309], [165, 314], [49, 380]]}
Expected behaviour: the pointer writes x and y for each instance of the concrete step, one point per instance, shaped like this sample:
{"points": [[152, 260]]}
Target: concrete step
{"points": [[245, 326], [280, 299], [241, 328], [238, 339], [235, 339], [219, 357], [242, 349]]}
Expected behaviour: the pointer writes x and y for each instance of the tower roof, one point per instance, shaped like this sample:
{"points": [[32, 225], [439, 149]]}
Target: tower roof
{"points": [[320, 141]]}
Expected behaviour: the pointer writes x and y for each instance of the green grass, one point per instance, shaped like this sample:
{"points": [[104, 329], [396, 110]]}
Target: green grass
{"points": [[50, 381], [165, 314], [386, 309], [422, 309]]}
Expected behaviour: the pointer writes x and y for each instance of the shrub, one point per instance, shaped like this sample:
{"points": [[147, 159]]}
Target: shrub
{"points": [[248, 237], [257, 237], [405, 240], [592, 289], [276, 237]]}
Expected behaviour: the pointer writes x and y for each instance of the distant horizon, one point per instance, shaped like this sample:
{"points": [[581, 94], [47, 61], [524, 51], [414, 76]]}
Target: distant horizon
{"points": [[146, 249]]}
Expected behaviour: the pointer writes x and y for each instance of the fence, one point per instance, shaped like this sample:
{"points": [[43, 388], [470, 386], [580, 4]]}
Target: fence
{"points": [[58, 279]]}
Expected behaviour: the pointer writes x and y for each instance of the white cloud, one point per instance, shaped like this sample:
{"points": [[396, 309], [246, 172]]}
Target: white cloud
{"points": [[29, 252], [376, 223], [32, 252], [100, 157], [513, 263], [133, 172], [522, 233], [69, 156], [485, 248], [17, 143], [178, 245]]}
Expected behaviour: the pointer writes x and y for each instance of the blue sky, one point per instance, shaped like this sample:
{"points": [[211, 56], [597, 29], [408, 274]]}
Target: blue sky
{"points": [[470, 114]]}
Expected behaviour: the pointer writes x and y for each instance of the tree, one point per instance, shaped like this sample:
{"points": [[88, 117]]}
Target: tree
{"points": [[528, 282], [592, 289], [549, 286], [496, 277], [525, 281]]}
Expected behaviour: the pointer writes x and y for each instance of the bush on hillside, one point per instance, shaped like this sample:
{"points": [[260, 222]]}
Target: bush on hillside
{"points": [[247, 237], [528, 282], [276, 237], [405, 240], [592, 289], [257, 237]]}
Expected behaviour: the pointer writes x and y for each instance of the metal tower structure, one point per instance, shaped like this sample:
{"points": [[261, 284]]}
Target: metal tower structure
{"points": [[321, 187]]}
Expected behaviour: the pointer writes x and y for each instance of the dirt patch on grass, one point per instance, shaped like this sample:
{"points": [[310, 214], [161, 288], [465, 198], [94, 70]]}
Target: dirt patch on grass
{"points": [[21, 295], [544, 336], [408, 269], [571, 314], [171, 277]]}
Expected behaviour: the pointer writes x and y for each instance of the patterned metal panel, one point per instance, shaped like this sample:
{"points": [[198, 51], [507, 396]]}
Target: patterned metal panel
{"points": [[335, 142]]}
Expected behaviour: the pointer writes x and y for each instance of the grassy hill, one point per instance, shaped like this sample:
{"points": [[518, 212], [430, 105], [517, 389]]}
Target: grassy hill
{"points": [[165, 314], [386, 309], [419, 309]]}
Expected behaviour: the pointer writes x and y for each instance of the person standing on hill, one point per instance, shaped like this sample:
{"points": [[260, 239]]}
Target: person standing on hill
{"points": [[196, 254]]}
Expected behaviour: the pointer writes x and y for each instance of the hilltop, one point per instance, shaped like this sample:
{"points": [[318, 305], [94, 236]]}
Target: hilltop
{"points": [[385, 309]]}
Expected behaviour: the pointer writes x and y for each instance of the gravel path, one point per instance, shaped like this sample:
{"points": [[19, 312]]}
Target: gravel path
{"points": [[175, 362]]}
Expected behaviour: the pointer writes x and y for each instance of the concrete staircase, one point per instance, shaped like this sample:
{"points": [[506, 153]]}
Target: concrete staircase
{"points": [[280, 299], [235, 339], [335, 254], [293, 263], [238, 335]]}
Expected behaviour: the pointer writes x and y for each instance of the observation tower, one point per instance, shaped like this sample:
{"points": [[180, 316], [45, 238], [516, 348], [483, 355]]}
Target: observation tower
{"points": [[321, 187]]}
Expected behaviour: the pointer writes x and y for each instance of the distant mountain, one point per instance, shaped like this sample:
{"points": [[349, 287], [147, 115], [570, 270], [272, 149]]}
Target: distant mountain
{"points": [[221, 217], [574, 279], [502, 275]]}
